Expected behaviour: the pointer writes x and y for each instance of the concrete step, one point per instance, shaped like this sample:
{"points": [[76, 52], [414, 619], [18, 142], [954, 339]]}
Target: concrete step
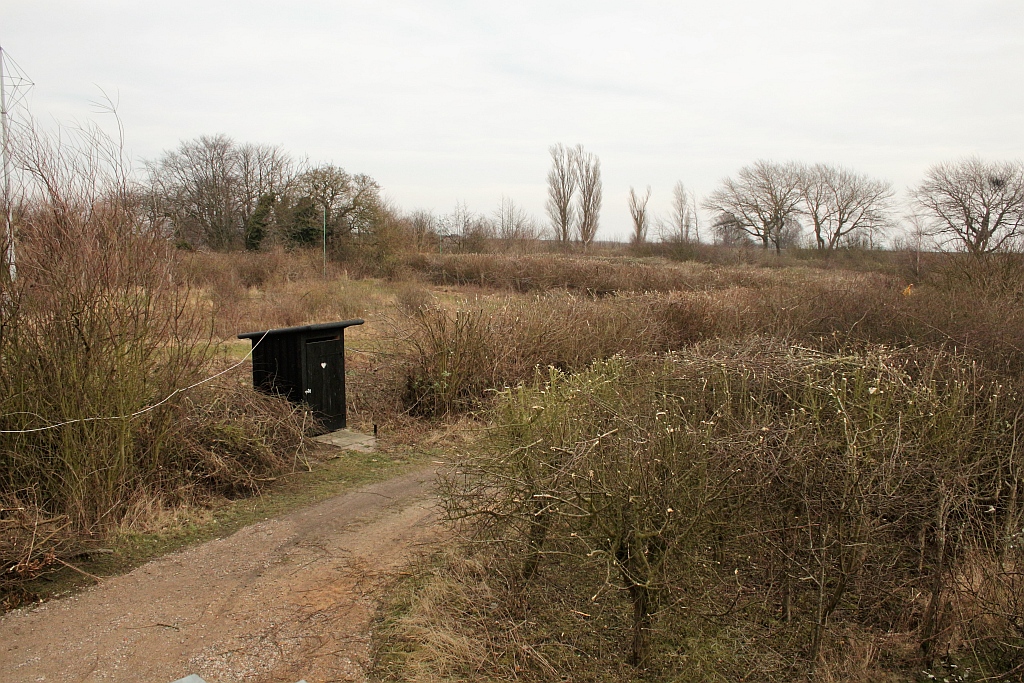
{"points": [[349, 440]]}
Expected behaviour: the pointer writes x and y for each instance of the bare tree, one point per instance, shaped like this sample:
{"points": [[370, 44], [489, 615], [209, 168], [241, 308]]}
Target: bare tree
{"points": [[423, 227], [562, 183], [727, 231], [197, 187], [762, 202], [262, 170], [512, 224], [459, 222], [638, 212], [914, 241], [588, 204], [210, 187], [839, 203], [681, 225], [977, 205], [464, 229], [352, 202]]}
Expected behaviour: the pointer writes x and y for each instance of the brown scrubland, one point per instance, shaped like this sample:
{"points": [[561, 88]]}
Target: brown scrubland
{"points": [[681, 470], [683, 461], [723, 472], [690, 470]]}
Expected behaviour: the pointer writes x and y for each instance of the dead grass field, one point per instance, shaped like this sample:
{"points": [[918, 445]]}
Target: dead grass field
{"points": [[448, 338], [491, 323], [448, 334]]}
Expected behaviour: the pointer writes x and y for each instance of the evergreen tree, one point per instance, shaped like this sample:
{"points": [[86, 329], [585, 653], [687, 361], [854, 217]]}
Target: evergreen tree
{"points": [[306, 222], [256, 226]]}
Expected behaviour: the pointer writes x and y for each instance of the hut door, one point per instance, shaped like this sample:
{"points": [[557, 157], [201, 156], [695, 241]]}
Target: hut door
{"points": [[325, 380]]}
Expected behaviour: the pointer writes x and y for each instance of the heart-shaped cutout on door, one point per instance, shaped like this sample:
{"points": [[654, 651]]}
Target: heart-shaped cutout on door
{"points": [[323, 365]]}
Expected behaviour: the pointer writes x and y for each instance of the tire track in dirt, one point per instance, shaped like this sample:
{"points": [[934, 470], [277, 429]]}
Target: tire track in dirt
{"points": [[281, 600]]}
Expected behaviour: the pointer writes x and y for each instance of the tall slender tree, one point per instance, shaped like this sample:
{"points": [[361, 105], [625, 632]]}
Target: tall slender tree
{"points": [[681, 225], [588, 202], [638, 212], [562, 183]]}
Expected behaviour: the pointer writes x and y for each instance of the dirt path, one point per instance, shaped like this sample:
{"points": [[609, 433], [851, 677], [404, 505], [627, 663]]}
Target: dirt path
{"points": [[285, 599]]}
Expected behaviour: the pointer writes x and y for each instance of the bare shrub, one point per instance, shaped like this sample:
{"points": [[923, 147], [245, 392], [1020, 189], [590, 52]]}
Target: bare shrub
{"points": [[990, 276], [602, 276], [96, 332], [98, 341], [829, 311], [32, 543], [232, 441], [454, 358], [808, 501], [412, 296], [586, 467]]}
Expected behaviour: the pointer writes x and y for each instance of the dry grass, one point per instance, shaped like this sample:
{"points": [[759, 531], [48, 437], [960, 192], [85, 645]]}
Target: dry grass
{"points": [[600, 275], [454, 356], [453, 352], [245, 292]]}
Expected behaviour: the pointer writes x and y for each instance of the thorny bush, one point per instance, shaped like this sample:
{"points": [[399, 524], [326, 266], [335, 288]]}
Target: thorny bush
{"points": [[97, 342], [807, 500]]}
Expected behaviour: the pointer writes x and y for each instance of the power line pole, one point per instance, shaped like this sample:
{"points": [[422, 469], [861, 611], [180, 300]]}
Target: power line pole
{"points": [[14, 85], [12, 269]]}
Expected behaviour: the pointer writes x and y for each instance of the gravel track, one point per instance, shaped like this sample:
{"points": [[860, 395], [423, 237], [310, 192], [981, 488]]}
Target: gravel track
{"points": [[284, 599]]}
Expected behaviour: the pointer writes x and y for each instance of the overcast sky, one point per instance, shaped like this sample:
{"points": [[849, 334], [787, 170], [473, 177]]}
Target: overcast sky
{"points": [[459, 101]]}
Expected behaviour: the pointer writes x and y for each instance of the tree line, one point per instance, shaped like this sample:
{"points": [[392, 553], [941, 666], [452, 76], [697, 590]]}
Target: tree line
{"points": [[969, 205], [216, 193], [213, 192]]}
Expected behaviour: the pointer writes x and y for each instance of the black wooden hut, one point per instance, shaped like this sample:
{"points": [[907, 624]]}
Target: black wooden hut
{"points": [[306, 364]]}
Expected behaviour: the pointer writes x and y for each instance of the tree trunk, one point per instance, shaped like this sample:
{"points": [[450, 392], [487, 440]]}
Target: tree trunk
{"points": [[642, 604], [931, 618]]}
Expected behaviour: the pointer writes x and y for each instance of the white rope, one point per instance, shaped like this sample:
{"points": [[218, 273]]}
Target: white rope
{"points": [[138, 412]]}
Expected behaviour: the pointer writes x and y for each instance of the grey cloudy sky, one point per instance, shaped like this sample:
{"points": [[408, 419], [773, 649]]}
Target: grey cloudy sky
{"points": [[445, 101]]}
